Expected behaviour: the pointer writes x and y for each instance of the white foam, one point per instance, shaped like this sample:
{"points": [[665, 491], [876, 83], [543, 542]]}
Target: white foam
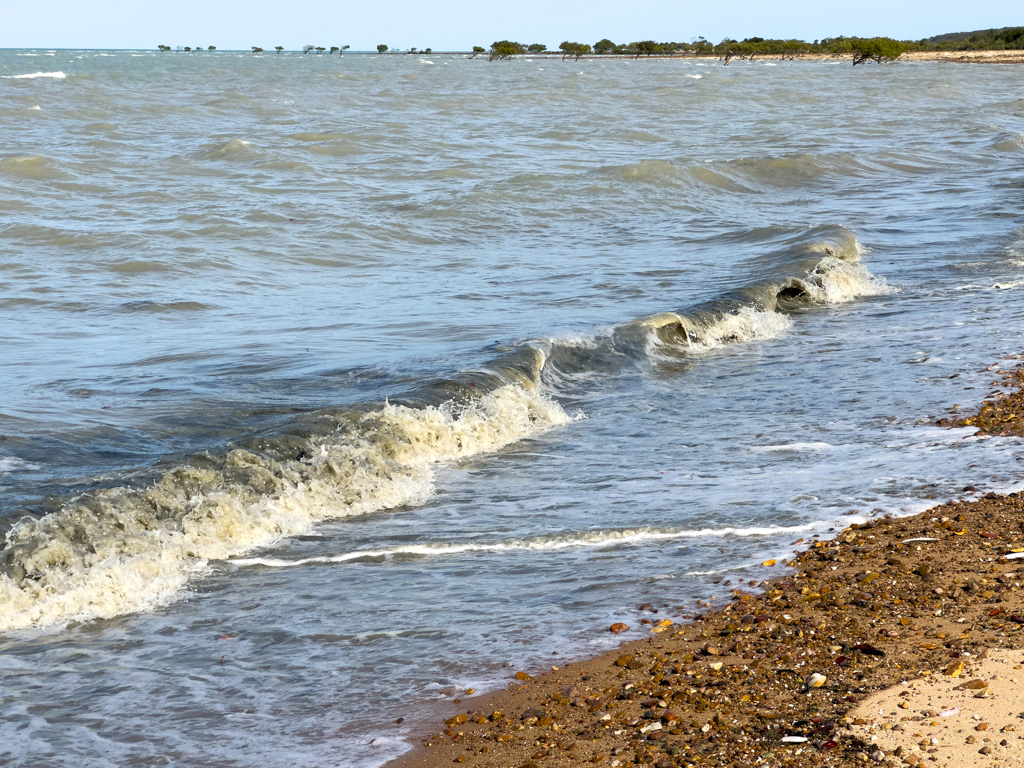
{"points": [[796, 447], [34, 75], [119, 556], [746, 324], [13, 464], [602, 538], [695, 77], [838, 281]]}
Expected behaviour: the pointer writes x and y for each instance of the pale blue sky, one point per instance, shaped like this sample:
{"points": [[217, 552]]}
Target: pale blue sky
{"points": [[459, 24]]}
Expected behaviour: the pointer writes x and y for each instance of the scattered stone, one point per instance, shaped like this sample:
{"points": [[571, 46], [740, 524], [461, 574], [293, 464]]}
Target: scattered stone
{"points": [[816, 680], [822, 613]]}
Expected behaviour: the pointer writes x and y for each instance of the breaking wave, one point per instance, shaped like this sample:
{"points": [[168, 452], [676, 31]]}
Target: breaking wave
{"points": [[121, 550]]}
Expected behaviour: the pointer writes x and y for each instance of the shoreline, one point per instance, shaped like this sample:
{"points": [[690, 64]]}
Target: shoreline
{"points": [[957, 57], [892, 614]]}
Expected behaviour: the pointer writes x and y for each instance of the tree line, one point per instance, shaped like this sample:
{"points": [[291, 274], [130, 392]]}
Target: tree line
{"points": [[340, 50], [860, 49]]}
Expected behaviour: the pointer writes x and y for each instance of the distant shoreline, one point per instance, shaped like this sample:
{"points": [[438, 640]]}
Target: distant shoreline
{"points": [[958, 57]]}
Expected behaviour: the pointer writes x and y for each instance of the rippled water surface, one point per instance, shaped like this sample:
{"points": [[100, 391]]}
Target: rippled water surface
{"points": [[335, 385]]}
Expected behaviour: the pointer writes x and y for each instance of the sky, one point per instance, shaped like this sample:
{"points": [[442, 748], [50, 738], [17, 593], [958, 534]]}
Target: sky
{"points": [[461, 24]]}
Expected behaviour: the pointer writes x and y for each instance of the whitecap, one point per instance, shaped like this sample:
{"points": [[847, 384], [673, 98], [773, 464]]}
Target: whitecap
{"points": [[34, 75], [14, 464], [795, 447]]}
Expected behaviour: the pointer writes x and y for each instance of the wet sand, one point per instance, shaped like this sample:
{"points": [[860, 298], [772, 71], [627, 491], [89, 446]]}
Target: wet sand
{"points": [[856, 651]]}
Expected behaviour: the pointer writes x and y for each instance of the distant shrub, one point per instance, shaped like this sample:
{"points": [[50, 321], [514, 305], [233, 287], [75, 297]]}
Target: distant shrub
{"points": [[877, 49]]}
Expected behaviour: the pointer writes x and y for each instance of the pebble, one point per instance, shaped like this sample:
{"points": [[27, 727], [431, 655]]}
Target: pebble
{"points": [[816, 680]]}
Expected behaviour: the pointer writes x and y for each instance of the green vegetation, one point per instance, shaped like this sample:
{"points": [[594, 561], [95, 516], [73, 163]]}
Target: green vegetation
{"points": [[573, 49], [505, 49], [876, 49], [1006, 38], [861, 50]]}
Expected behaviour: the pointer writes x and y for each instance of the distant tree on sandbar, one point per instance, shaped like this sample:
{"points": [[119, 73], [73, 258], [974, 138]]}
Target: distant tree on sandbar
{"points": [[164, 48], [307, 48], [574, 49], [728, 49], [536, 48], [646, 48], [604, 47], [703, 47], [877, 49], [505, 49], [477, 49], [278, 48], [257, 49], [335, 49], [211, 48], [382, 48]]}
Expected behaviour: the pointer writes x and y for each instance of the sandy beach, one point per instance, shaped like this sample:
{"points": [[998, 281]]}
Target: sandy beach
{"points": [[897, 642]]}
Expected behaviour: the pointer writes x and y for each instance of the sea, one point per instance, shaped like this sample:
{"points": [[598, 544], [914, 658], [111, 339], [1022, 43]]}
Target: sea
{"points": [[335, 386]]}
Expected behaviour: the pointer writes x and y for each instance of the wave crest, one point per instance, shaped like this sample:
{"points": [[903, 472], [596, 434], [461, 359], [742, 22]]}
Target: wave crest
{"points": [[121, 550]]}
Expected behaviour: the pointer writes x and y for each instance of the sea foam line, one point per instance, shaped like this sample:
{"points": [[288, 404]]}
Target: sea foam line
{"points": [[541, 543]]}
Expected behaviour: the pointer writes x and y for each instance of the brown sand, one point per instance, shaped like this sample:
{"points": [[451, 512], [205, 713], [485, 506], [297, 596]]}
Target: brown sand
{"points": [[965, 722], [919, 604]]}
